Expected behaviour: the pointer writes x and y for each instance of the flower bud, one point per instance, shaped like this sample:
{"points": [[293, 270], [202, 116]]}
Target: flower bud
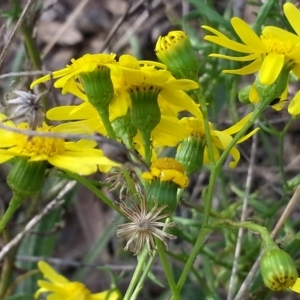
{"points": [[244, 94], [176, 52], [26, 177], [278, 270]]}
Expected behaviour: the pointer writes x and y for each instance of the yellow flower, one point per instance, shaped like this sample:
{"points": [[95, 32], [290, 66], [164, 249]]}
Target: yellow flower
{"points": [[267, 54], [63, 289], [220, 139], [171, 99], [78, 157], [69, 76], [167, 169]]}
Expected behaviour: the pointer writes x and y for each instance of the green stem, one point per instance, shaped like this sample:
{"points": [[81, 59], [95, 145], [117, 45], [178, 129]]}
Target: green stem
{"points": [[201, 100], [143, 277], [14, 203], [104, 115], [137, 274], [281, 151], [7, 267], [209, 195], [168, 272], [146, 134]]}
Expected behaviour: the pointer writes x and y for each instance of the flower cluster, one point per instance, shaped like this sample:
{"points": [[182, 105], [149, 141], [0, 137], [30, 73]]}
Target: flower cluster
{"points": [[273, 54], [130, 111]]}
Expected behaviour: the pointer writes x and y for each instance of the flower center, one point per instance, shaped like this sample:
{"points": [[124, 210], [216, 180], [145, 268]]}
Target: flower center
{"points": [[77, 291], [278, 46], [39, 145], [168, 163]]}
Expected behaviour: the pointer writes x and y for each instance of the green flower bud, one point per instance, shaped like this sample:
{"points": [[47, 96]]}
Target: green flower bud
{"points": [[190, 154], [99, 89], [176, 52], [124, 129], [145, 111], [26, 178], [278, 270], [275, 90], [244, 94]]}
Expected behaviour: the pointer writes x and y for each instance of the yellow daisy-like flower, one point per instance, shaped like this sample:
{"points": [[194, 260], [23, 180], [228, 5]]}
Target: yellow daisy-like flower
{"points": [[167, 169], [60, 288], [171, 99], [220, 139], [78, 157], [69, 76], [267, 54]]}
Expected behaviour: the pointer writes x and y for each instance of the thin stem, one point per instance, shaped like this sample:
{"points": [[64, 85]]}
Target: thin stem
{"points": [[7, 267], [143, 277], [201, 100], [209, 195], [168, 272], [137, 274], [104, 115], [14, 203], [146, 134]]}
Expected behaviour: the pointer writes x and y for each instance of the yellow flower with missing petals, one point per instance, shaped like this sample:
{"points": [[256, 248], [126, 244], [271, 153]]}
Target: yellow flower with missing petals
{"points": [[267, 54], [220, 139], [78, 157], [63, 289]]}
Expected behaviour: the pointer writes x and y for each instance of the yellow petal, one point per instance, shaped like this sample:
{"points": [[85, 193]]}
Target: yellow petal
{"points": [[296, 286], [229, 44], [88, 126], [247, 136], [238, 126], [51, 274], [181, 84], [214, 31], [296, 71], [65, 113], [294, 106], [236, 58], [182, 100], [293, 15], [169, 132], [248, 36], [225, 140], [249, 69], [253, 95], [72, 164], [271, 68]]}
